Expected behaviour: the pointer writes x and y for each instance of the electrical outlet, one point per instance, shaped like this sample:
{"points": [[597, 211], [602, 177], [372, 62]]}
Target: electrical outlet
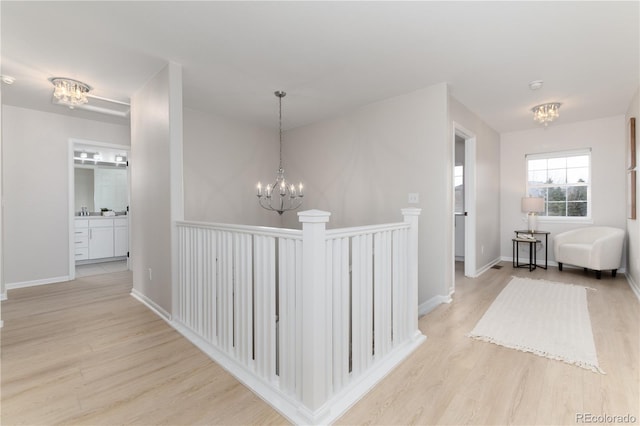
{"points": [[149, 274], [414, 198], [481, 249]]}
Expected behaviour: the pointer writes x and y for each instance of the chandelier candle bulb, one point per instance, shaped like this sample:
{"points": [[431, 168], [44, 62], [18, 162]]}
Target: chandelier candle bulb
{"points": [[259, 189]]}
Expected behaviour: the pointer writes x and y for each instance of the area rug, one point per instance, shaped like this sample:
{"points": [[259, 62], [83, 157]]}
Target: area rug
{"points": [[542, 317]]}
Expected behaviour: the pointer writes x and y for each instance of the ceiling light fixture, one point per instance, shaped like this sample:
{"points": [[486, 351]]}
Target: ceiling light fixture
{"points": [[70, 92], [7, 79], [280, 196], [546, 113], [536, 84]]}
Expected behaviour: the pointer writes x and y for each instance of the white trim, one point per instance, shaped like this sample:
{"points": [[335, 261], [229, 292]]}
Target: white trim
{"points": [[431, 304], [71, 194], [634, 286], [550, 263], [553, 154], [3, 296], [44, 281], [285, 405], [469, 201], [486, 267], [153, 306]]}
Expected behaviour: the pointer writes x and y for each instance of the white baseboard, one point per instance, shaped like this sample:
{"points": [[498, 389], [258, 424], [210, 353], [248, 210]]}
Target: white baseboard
{"points": [[3, 296], [289, 407], [151, 305], [634, 285], [284, 404], [22, 284], [486, 267], [431, 304], [553, 263]]}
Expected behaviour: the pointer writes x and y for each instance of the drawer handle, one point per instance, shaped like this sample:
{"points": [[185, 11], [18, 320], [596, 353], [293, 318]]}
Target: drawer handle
{"points": [[78, 232], [78, 254], [78, 242]]}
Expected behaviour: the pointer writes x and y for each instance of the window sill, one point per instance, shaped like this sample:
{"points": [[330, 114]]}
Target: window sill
{"points": [[551, 219]]}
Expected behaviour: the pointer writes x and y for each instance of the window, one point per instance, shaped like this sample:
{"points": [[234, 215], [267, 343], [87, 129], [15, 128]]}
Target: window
{"points": [[563, 180], [458, 181]]}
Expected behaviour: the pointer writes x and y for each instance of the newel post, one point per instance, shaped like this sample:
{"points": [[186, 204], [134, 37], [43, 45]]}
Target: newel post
{"points": [[411, 217], [315, 299]]}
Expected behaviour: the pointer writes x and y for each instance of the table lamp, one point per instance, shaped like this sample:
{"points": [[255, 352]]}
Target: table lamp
{"points": [[532, 206]]}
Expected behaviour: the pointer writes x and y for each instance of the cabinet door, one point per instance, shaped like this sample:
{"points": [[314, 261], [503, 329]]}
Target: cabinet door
{"points": [[100, 243], [121, 240]]}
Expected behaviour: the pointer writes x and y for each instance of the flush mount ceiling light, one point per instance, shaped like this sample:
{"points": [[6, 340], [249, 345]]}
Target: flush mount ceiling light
{"points": [[546, 113], [70, 92], [280, 196], [7, 79], [535, 84]]}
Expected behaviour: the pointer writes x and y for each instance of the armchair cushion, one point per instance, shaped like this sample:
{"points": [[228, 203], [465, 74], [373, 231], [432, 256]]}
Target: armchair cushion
{"points": [[594, 247]]}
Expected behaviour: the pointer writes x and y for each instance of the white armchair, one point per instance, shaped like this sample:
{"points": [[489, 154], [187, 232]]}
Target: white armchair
{"points": [[594, 247]]}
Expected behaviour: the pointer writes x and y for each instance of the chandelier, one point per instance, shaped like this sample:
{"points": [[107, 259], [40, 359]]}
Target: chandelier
{"points": [[546, 113], [280, 196], [70, 92]]}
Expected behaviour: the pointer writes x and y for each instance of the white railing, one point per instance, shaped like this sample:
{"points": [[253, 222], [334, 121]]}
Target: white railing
{"points": [[309, 319]]}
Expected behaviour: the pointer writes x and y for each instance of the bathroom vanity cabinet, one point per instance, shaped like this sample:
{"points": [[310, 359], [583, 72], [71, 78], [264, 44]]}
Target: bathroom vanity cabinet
{"points": [[98, 237]]}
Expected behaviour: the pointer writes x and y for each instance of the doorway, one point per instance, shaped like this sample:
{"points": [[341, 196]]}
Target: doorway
{"points": [[464, 196], [99, 194]]}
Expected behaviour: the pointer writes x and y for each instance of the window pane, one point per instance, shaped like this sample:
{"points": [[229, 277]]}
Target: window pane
{"points": [[537, 177], [557, 176], [556, 208], [537, 164], [578, 175], [577, 193], [557, 194], [577, 208], [538, 192], [578, 161], [557, 163]]}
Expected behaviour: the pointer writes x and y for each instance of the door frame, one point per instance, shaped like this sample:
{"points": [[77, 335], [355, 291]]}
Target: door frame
{"points": [[469, 200], [72, 195]]}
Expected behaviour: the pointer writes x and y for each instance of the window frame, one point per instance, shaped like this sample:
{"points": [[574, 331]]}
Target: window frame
{"points": [[562, 154]]}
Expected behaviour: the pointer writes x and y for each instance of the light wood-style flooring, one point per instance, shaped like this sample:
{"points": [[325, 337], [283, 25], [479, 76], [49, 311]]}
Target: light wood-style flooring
{"points": [[85, 352]]}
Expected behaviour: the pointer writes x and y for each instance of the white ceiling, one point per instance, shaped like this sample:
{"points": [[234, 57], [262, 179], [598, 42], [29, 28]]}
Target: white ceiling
{"points": [[330, 57]]}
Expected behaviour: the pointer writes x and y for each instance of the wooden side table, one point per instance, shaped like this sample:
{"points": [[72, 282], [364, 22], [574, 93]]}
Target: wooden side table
{"points": [[546, 244]]}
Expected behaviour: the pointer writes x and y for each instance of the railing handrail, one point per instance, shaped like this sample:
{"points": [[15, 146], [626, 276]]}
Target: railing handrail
{"points": [[294, 233], [367, 229], [247, 229]]}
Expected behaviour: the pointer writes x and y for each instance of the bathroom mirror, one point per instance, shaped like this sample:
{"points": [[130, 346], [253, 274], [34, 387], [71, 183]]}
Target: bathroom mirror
{"points": [[100, 187]]}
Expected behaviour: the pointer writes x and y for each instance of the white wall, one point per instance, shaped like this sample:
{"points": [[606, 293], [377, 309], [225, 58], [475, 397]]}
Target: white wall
{"points": [[487, 178], [633, 228], [361, 166], [156, 183], [223, 162], [605, 137], [35, 179]]}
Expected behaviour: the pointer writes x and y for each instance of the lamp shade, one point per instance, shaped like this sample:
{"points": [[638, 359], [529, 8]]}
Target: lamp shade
{"points": [[532, 204]]}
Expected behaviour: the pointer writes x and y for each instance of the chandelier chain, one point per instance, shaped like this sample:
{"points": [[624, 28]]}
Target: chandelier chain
{"points": [[280, 125]]}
